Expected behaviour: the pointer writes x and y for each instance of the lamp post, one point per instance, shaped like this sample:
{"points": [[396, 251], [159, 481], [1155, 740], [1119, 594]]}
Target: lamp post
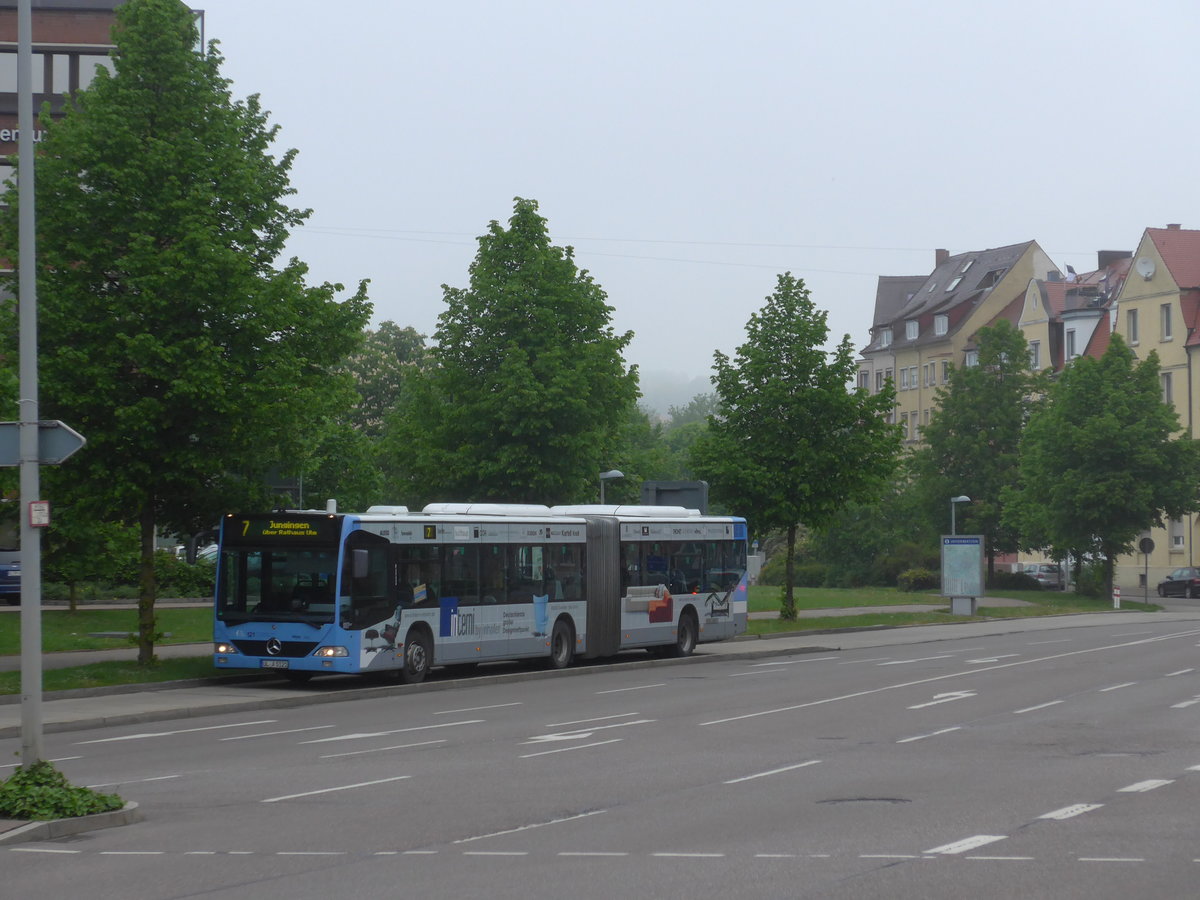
{"points": [[608, 476], [962, 498]]}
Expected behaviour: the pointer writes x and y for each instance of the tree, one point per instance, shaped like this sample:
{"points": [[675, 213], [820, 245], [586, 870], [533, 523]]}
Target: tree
{"points": [[389, 354], [186, 357], [790, 442], [1101, 460], [972, 443], [526, 391]]}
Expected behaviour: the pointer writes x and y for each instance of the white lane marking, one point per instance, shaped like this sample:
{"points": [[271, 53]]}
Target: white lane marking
{"points": [[1002, 858], [640, 687], [566, 749], [1143, 786], [381, 749], [905, 662], [246, 737], [945, 698], [966, 844], [811, 762], [420, 853], [793, 662], [854, 662], [586, 721], [1117, 687], [933, 678], [311, 853], [1112, 859], [344, 787], [921, 737], [59, 759], [582, 733], [132, 853], [759, 672], [375, 734], [888, 856], [199, 852], [455, 712], [154, 734], [1017, 712], [1180, 672], [495, 853], [480, 837], [1193, 768], [134, 781], [589, 853], [41, 850], [991, 659], [1069, 812], [1186, 703]]}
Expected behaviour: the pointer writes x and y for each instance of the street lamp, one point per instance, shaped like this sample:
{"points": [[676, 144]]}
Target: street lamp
{"points": [[608, 476], [962, 498]]}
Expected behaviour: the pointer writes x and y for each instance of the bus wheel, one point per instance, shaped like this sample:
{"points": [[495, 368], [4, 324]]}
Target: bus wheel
{"points": [[686, 636], [298, 677], [418, 657], [562, 645]]}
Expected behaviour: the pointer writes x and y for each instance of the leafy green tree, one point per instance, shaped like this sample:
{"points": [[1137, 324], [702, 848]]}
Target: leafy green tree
{"points": [[1102, 460], [388, 355], [698, 409], [790, 442], [972, 444], [526, 390], [188, 359]]}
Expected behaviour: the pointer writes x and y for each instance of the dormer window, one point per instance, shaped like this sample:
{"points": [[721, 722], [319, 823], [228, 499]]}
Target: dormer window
{"points": [[941, 324], [972, 357], [885, 338], [911, 329]]}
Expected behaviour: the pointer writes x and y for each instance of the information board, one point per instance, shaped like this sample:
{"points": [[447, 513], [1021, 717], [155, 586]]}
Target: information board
{"points": [[962, 565]]}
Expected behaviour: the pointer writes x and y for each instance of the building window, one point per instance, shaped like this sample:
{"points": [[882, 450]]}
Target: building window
{"points": [[1071, 352], [941, 324], [904, 425], [911, 329], [904, 378], [888, 375], [885, 338], [925, 375], [945, 371], [1177, 535], [1167, 392], [1035, 355], [879, 381], [972, 358], [1164, 318], [864, 379], [1131, 326]]}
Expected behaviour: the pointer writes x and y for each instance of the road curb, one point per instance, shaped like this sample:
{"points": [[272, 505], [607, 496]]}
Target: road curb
{"points": [[57, 828]]}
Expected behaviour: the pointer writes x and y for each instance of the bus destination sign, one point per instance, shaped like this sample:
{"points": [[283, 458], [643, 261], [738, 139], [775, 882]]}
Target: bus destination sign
{"points": [[281, 527]]}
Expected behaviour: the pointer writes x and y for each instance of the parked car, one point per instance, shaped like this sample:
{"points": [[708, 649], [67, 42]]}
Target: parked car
{"points": [[10, 582], [1048, 575], [1183, 582]]}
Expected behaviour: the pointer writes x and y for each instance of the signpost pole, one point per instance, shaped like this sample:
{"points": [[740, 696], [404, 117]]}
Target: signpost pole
{"points": [[31, 546]]}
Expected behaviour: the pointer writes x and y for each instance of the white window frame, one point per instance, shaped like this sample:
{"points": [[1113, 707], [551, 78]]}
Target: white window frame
{"points": [[972, 358], [912, 330], [1071, 351], [941, 324], [885, 338], [1131, 327], [1035, 356], [1164, 321]]}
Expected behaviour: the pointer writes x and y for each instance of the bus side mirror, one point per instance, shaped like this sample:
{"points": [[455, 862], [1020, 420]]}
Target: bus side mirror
{"points": [[359, 563]]}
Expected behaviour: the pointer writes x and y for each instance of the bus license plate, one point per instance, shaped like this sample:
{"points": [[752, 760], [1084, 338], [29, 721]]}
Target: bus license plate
{"points": [[274, 663]]}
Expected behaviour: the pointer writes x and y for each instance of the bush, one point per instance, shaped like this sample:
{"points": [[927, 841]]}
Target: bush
{"points": [[42, 792], [1091, 580], [1013, 581], [906, 557], [917, 580]]}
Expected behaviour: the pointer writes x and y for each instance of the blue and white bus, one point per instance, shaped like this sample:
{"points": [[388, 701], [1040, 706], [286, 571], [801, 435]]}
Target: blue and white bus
{"points": [[309, 592]]}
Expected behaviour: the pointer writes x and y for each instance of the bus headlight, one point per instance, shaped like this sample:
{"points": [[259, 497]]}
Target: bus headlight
{"points": [[330, 652], [225, 647]]}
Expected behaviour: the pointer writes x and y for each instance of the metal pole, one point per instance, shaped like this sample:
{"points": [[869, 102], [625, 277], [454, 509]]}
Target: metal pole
{"points": [[951, 518], [31, 547]]}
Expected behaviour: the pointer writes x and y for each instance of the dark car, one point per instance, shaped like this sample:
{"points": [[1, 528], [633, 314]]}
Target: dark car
{"points": [[1184, 582], [10, 583]]}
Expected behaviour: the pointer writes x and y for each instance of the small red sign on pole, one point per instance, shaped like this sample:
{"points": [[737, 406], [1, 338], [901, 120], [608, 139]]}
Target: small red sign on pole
{"points": [[39, 513]]}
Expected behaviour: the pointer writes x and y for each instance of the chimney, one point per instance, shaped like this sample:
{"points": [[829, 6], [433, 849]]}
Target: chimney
{"points": [[940, 256], [1105, 258], [1174, 226]]}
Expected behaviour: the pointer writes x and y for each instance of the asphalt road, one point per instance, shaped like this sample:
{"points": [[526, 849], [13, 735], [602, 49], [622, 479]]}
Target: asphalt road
{"points": [[1055, 761]]}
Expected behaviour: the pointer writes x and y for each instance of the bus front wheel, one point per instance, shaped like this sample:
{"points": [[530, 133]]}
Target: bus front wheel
{"points": [[418, 657]]}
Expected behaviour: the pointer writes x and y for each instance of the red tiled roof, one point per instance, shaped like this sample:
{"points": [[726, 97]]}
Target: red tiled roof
{"points": [[1101, 338], [1180, 250], [1189, 301]]}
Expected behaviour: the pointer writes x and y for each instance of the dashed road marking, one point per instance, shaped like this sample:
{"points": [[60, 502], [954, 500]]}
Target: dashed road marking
{"points": [[1069, 812], [811, 762], [978, 840], [921, 737], [343, 787], [1143, 786]]}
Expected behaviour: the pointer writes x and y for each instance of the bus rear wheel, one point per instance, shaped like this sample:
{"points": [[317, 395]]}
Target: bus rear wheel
{"points": [[562, 645], [418, 657], [686, 635]]}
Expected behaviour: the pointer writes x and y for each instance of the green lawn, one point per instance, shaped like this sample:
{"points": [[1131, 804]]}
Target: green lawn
{"points": [[65, 630]]}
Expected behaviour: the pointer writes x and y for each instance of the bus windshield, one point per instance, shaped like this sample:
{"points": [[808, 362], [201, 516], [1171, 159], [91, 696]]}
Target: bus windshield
{"points": [[277, 585]]}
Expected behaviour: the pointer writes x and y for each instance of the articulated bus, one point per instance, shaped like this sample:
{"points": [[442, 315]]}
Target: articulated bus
{"points": [[310, 592]]}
